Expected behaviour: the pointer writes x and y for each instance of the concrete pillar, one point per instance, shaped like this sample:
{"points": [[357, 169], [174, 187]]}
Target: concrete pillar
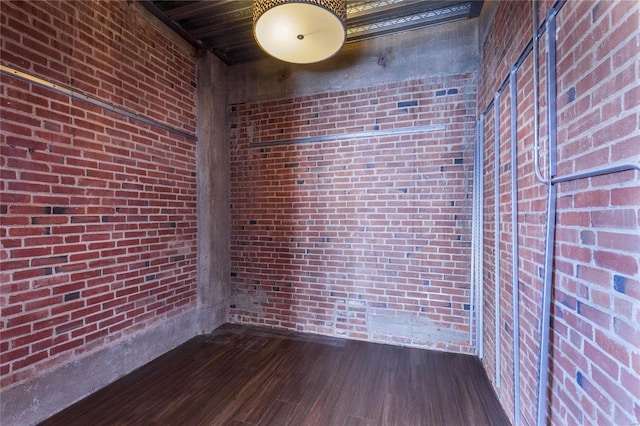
{"points": [[213, 194]]}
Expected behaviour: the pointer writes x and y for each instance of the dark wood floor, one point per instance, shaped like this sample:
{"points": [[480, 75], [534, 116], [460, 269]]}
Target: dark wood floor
{"points": [[243, 375]]}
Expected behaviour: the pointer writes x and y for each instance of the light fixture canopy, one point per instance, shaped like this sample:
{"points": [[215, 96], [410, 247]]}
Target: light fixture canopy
{"points": [[300, 31]]}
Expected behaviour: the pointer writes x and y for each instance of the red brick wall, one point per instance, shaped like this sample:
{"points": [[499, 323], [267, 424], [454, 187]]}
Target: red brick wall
{"points": [[98, 210], [366, 237], [595, 359]]}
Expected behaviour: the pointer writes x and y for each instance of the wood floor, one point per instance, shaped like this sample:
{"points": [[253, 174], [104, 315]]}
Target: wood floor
{"points": [[243, 375]]}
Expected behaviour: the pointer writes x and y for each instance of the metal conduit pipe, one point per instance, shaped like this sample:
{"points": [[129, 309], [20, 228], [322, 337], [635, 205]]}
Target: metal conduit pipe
{"points": [[74, 93], [476, 241], [496, 245], [505, 83], [474, 230], [536, 95], [551, 181], [543, 371], [545, 324], [515, 270], [545, 321], [598, 172], [480, 241]]}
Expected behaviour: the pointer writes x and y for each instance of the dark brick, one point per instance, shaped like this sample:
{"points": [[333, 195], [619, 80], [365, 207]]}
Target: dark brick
{"points": [[619, 284], [72, 296], [587, 237], [407, 104]]}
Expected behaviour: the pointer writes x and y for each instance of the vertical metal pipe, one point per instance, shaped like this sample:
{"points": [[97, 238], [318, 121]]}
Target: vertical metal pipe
{"points": [[543, 369], [536, 97], [515, 269], [545, 323], [474, 230], [496, 225], [474, 243], [552, 118], [480, 253]]}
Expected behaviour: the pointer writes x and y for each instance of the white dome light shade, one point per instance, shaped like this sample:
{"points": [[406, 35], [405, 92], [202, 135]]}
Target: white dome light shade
{"points": [[300, 32]]}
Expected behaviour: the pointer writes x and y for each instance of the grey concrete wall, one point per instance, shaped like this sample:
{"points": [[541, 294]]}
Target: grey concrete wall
{"points": [[35, 400], [213, 195], [486, 19], [439, 50]]}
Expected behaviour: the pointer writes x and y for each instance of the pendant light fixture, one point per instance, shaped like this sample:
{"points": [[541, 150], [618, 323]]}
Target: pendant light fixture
{"points": [[300, 31]]}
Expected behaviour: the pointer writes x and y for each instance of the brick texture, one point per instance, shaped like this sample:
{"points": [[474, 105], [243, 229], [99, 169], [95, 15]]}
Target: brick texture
{"points": [[365, 237], [595, 374], [98, 210]]}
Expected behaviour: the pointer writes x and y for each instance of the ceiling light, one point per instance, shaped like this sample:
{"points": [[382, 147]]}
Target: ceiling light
{"points": [[300, 31]]}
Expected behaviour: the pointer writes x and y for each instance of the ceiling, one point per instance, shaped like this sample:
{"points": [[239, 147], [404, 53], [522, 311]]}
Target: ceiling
{"points": [[225, 26]]}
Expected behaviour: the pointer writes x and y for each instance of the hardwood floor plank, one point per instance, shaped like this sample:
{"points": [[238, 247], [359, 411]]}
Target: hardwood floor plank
{"points": [[320, 401], [310, 356], [277, 414], [242, 375], [365, 374]]}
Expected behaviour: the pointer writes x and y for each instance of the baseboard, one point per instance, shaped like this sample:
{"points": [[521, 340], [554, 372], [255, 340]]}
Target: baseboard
{"points": [[37, 399]]}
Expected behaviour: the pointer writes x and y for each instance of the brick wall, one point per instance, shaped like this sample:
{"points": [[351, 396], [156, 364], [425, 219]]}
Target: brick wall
{"points": [[595, 353], [98, 210], [367, 236]]}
